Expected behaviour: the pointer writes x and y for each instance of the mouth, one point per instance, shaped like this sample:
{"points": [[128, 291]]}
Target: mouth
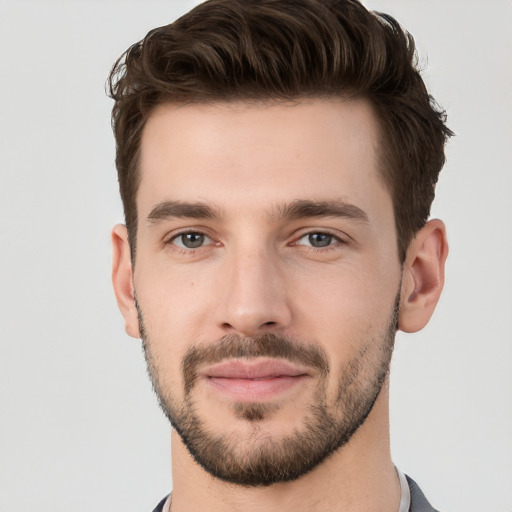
{"points": [[254, 380]]}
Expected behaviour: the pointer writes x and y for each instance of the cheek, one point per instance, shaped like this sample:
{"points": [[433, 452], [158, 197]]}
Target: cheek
{"points": [[344, 308], [171, 295], [352, 293], [165, 303]]}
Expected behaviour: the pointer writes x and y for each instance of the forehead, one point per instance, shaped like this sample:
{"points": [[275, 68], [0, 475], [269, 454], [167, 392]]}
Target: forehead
{"points": [[226, 152]]}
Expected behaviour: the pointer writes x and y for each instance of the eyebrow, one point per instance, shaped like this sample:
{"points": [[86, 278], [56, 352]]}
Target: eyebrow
{"points": [[298, 209], [303, 208], [179, 209]]}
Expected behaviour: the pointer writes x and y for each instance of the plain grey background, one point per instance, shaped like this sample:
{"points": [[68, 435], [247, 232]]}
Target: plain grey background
{"points": [[79, 427]]}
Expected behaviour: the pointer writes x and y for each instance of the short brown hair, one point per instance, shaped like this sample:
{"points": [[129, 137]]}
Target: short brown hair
{"points": [[245, 50]]}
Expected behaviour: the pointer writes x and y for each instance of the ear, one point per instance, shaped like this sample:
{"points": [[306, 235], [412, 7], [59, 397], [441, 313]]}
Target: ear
{"points": [[423, 276], [122, 279]]}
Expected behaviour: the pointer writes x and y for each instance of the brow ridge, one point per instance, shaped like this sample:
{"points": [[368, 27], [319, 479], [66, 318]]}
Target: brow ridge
{"points": [[297, 209], [179, 209], [303, 208]]}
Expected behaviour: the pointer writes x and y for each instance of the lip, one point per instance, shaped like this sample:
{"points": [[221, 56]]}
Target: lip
{"points": [[254, 380]]}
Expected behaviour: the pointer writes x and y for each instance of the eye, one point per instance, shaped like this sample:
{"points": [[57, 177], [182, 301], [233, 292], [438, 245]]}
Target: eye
{"points": [[318, 240], [191, 240]]}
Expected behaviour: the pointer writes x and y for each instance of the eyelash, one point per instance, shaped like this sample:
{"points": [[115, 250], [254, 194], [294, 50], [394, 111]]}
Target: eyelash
{"points": [[336, 242], [188, 250]]}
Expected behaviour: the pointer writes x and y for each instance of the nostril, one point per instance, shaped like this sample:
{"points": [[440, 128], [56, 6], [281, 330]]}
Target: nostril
{"points": [[248, 330]]}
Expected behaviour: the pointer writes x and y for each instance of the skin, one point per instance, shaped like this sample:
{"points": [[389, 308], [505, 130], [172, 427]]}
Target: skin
{"points": [[257, 273]]}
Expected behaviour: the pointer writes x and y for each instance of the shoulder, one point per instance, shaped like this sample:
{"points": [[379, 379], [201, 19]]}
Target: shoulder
{"points": [[418, 501], [160, 506]]}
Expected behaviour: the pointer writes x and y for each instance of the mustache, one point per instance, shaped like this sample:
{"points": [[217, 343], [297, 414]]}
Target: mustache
{"points": [[236, 347]]}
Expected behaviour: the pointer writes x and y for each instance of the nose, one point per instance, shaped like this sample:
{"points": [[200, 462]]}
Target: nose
{"points": [[254, 298]]}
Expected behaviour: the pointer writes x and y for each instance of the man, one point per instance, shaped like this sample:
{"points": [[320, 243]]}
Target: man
{"points": [[277, 161]]}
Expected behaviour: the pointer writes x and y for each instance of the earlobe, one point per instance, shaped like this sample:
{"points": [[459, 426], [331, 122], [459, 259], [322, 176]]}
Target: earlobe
{"points": [[423, 276], [122, 279]]}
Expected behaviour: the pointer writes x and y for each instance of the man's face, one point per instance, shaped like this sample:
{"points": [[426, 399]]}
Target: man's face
{"points": [[266, 279]]}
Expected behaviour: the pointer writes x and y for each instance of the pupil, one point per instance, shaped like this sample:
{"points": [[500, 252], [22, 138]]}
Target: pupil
{"points": [[192, 240], [320, 239]]}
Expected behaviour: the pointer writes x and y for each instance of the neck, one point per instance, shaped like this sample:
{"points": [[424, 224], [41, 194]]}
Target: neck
{"points": [[358, 477]]}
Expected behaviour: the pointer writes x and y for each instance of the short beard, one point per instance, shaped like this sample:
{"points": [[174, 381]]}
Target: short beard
{"points": [[257, 459]]}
